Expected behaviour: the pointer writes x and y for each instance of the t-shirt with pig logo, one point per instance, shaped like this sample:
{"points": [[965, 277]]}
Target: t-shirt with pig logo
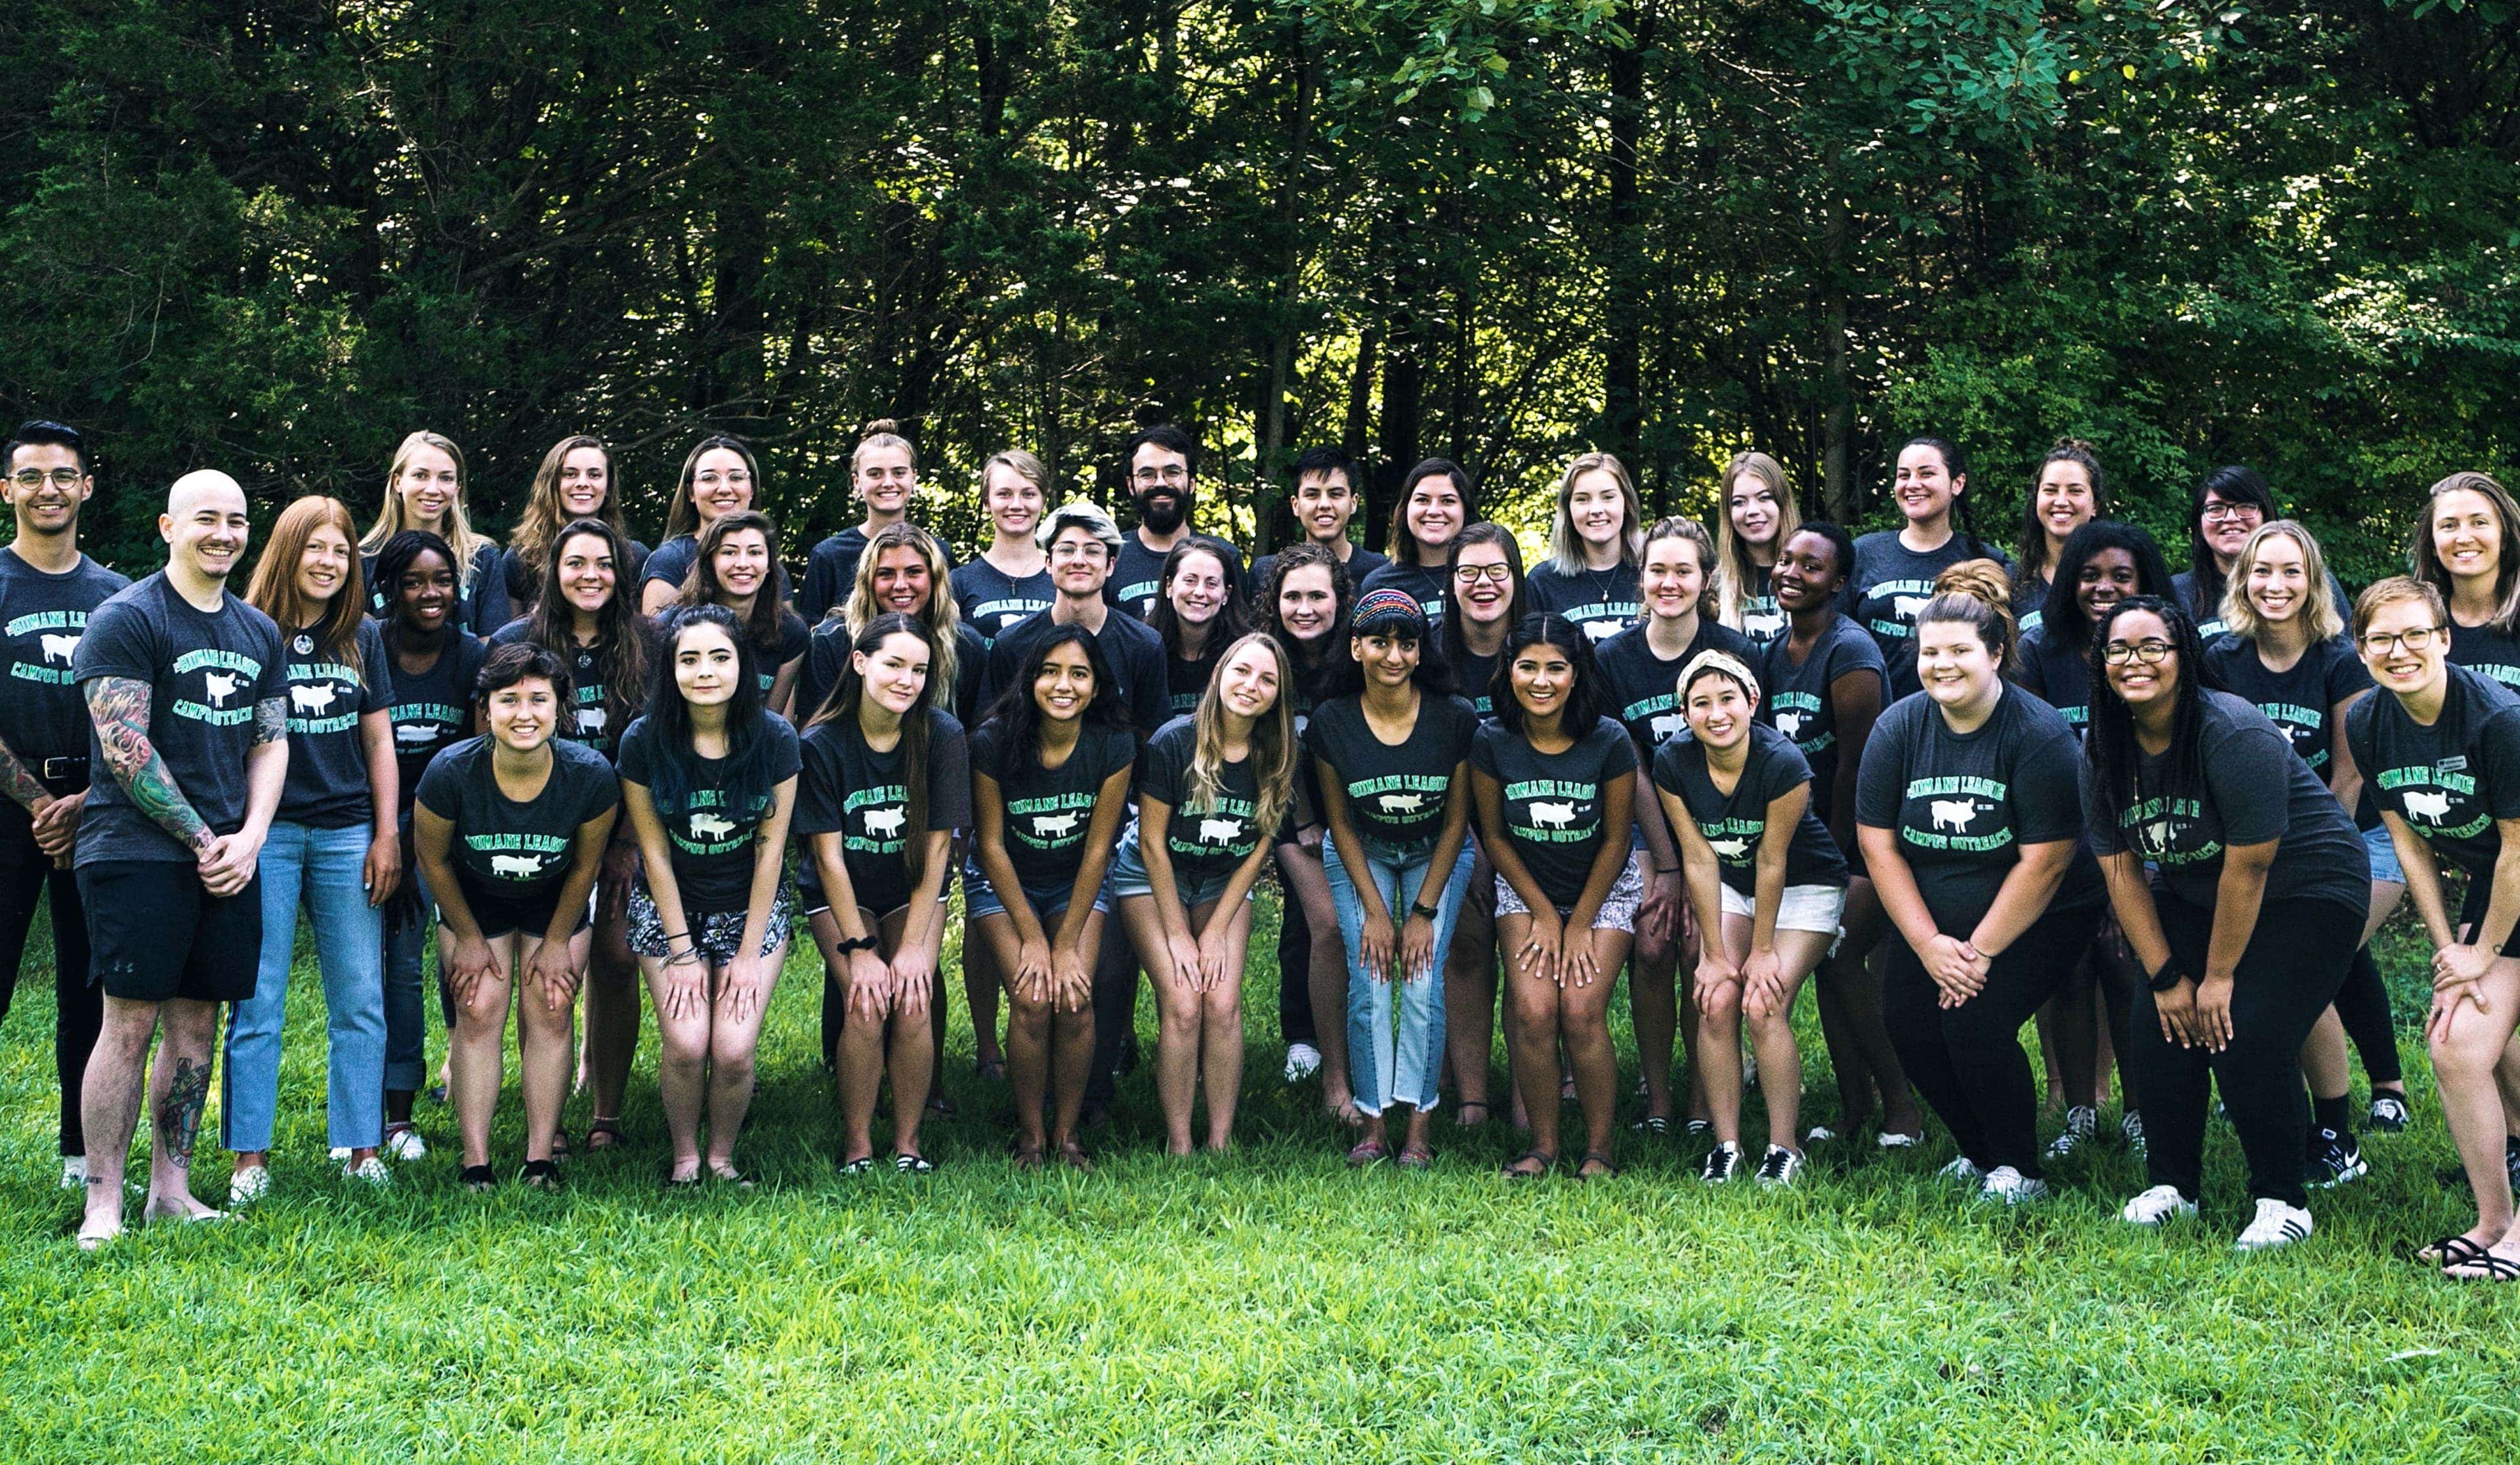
{"points": [[1963, 803], [863, 796], [1601, 602], [43, 716], [1049, 811], [328, 695], [432, 709], [513, 853], [2450, 782], [2249, 788], [2301, 701], [1399, 794], [1800, 703], [1644, 688], [710, 837], [598, 715], [1553, 804], [207, 672], [1736, 824], [1892, 583], [1206, 842]]}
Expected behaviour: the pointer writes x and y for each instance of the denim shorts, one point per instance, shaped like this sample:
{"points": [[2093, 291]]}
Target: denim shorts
{"points": [[1618, 910], [1129, 877], [980, 899], [1804, 908], [2384, 856]]}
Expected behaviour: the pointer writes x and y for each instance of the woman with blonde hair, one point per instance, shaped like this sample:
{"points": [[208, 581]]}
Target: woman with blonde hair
{"points": [[720, 477], [424, 488], [1594, 542], [336, 846], [1211, 786], [1759, 516], [1010, 579], [576, 480], [883, 473]]}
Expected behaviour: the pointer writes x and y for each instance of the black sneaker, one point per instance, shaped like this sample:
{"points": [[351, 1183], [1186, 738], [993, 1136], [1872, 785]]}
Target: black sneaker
{"points": [[2335, 1159], [1719, 1164], [1780, 1166], [2388, 1113]]}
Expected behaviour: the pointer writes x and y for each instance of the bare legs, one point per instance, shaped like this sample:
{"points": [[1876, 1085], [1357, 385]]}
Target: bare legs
{"points": [[1470, 998], [1546, 1013], [2467, 1049], [1308, 899], [1201, 1044], [178, 1086], [1050, 1049], [1772, 1036], [477, 1048], [704, 1062], [611, 993], [894, 1042]]}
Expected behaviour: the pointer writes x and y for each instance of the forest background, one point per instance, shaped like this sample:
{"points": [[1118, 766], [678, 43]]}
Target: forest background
{"points": [[275, 236]]}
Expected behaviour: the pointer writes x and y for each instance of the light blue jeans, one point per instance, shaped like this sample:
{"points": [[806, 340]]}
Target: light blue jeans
{"points": [[1394, 1061], [406, 1004], [323, 867]]}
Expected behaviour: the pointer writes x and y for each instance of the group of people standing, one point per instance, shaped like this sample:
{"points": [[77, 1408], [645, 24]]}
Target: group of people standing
{"points": [[2161, 814]]}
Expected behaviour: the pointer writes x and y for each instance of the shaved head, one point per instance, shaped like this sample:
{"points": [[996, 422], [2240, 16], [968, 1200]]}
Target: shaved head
{"points": [[199, 485]]}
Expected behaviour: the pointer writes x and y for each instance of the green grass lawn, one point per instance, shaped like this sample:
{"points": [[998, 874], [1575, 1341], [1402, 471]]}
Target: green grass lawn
{"points": [[1266, 1305]]}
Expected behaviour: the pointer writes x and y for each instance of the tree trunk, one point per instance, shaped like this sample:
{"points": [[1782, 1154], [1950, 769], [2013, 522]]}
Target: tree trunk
{"points": [[1269, 480], [1623, 350], [1837, 448]]}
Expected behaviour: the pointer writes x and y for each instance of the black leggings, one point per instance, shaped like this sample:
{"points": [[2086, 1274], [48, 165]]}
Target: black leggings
{"points": [[1967, 1061], [2294, 964], [1295, 974], [79, 1003], [2363, 1006]]}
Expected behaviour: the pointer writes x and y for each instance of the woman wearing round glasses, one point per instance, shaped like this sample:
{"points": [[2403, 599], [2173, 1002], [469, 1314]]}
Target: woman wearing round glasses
{"points": [[2441, 748]]}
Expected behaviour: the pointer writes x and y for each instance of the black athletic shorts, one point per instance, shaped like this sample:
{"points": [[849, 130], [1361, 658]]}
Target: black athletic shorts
{"points": [[497, 917], [154, 934]]}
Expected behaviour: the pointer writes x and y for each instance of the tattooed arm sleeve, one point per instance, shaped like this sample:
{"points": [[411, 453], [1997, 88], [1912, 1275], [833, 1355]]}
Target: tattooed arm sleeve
{"points": [[19, 782], [118, 706]]}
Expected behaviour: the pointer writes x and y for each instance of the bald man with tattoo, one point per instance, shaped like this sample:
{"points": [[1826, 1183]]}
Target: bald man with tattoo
{"points": [[188, 709]]}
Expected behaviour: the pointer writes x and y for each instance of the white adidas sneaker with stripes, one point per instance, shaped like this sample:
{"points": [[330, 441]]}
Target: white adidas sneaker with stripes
{"points": [[2277, 1224]]}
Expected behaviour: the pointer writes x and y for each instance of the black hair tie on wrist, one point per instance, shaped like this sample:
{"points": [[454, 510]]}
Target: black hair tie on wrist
{"points": [[2167, 977]]}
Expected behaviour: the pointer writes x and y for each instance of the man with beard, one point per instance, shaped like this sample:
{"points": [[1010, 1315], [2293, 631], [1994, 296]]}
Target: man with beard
{"points": [[1161, 463], [47, 588]]}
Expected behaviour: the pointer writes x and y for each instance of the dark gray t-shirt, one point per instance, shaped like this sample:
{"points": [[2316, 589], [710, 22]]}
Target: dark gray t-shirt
{"points": [[1735, 824], [205, 672], [2481, 648], [1396, 794], [1049, 811], [710, 839], [2057, 670], [590, 672], [2299, 702], [510, 852], [1205, 842], [1477, 675], [1762, 620], [431, 709], [1798, 700], [2252, 788], [1553, 802], [1891, 583], [2450, 781], [327, 766], [850, 790], [1963, 803], [989, 600], [1427, 583], [1130, 648], [42, 616], [1601, 602], [1645, 689]]}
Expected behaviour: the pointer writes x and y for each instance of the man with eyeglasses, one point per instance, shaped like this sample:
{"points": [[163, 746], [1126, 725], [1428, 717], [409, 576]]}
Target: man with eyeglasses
{"points": [[1162, 466], [47, 588]]}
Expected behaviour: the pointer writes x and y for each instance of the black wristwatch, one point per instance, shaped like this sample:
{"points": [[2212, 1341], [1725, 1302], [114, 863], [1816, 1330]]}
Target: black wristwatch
{"points": [[2167, 977], [1428, 911], [851, 948]]}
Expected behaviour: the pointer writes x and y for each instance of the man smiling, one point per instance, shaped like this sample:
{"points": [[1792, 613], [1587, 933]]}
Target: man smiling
{"points": [[1162, 466]]}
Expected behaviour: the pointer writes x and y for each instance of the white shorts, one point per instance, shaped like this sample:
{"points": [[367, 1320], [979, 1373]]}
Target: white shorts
{"points": [[1804, 908]]}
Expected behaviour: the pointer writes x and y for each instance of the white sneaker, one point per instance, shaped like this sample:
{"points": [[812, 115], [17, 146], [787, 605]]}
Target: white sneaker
{"points": [[403, 1142], [1962, 1170], [2012, 1187], [1303, 1060], [2131, 1126], [1891, 1139], [248, 1185], [2277, 1224], [2081, 1121], [1820, 1134], [339, 1154], [2162, 1203], [370, 1172], [73, 1172]]}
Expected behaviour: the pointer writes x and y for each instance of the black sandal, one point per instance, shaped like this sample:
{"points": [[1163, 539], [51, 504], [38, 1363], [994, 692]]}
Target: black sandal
{"points": [[907, 1163], [542, 1174], [2450, 1251], [1610, 1170], [1548, 1163], [605, 1134], [1653, 1123], [2496, 1269], [478, 1178]]}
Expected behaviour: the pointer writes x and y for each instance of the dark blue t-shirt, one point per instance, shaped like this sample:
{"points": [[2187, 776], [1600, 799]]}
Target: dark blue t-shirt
{"points": [[42, 616]]}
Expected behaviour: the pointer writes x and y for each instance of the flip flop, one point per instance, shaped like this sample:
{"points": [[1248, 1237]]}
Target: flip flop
{"points": [[2496, 1269], [1416, 1158], [1368, 1152], [1608, 1170], [1547, 1162]]}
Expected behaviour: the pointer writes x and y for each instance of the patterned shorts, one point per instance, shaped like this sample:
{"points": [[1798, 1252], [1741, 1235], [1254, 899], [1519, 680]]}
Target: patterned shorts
{"points": [[1618, 910], [716, 932]]}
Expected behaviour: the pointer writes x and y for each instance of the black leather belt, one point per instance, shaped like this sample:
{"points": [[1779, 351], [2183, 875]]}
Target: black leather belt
{"points": [[64, 771]]}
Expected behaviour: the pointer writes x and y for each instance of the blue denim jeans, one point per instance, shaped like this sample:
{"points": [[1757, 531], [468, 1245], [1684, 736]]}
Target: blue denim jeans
{"points": [[323, 868], [406, 1000], [1394, 1061]]}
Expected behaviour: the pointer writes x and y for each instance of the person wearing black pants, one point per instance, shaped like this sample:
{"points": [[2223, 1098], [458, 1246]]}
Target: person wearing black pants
{"points": [[1969, 814], [2245, 927], [47, 588]]}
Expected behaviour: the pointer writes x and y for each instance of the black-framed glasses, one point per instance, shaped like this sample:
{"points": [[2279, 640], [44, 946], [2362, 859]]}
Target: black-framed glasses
{"points": [[2414, 638], [32, 479], [2218, 510], [2149, 651], [1471, 574], [1147, 477]]}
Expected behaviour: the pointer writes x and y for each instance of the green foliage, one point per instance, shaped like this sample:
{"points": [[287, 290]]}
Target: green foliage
{"points": [[276, 238]]}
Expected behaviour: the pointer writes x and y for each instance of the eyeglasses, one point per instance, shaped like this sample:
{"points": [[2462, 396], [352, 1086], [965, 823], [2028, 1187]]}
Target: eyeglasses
{"points": [[33, 478], [2149, 652], [1175, 474], [2215, 511], [1471, 574], [736, 479], [2417, 638]]}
